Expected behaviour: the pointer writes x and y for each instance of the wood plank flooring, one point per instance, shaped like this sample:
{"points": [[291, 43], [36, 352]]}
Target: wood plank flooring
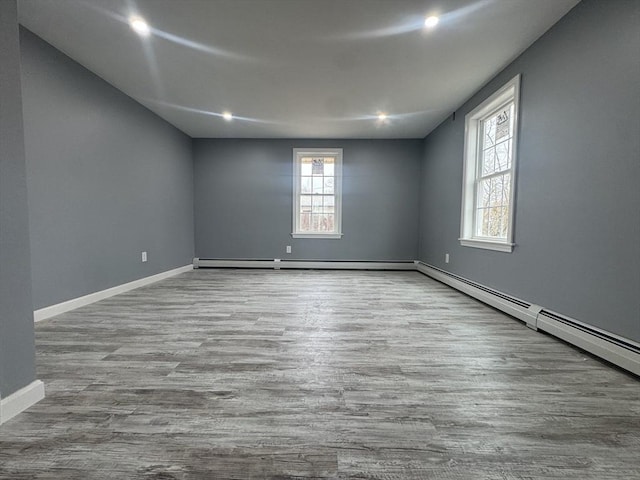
{"points": [[245, 374]]}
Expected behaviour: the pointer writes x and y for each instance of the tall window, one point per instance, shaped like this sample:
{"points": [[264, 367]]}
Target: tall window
{"points": [[317, 187], [490, 157]]}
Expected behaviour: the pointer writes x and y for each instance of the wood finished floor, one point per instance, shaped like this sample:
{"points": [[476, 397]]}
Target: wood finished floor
{"points": [[241, 374]]}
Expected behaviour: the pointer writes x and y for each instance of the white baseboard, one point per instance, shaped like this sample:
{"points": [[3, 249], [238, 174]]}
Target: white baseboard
{"points": [[618, 350], [57, 309], [304, 264], [19, 401]]}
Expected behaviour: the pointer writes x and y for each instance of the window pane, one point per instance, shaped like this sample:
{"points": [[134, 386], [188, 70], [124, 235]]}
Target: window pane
{"points": [[305, 185], [329, 167], [482, 222], [317, 184], [504, 230], [315, 222], [305, 222], [492, 222], [328, 185], [330, 223], [305, 201], [328, 204], [317, 203], [488, 161], [492, 212], [503, 123], [506, 189], [496, 191], [484, 193], [305, 166], [317, 166], [324, 224], [503, 156], [489, 129], [497, 220]]}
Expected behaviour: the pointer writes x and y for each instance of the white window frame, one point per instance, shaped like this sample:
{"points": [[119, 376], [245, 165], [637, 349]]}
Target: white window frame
{"points": [[298, 154], [510, 92]]}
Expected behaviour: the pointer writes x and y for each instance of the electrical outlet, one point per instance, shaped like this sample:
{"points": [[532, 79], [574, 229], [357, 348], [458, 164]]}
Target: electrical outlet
{"points": [[446, 258], [288, 248], [144, 256]]}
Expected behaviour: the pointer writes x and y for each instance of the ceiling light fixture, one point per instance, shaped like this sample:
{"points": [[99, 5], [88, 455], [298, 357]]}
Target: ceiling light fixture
{"points": [[431, 22], [382, 117], [228, 116], [140, 26]]}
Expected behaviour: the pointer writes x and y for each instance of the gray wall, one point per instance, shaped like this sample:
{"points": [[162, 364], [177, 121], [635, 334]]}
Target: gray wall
{"points": [[578, 183], [243, 200], [17, 351], [107, 179]]}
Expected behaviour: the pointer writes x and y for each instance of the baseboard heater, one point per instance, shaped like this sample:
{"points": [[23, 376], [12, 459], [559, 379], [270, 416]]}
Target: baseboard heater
{"points": [[618, 350], [278, 264]]}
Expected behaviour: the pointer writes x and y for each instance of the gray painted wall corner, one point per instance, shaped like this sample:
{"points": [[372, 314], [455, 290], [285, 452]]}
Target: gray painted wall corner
{"points": [[107, 178], [17, 346]]}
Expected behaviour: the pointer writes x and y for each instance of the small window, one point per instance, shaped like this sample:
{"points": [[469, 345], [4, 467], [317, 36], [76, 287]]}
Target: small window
{"points": [[317, 187], [489, 171]]}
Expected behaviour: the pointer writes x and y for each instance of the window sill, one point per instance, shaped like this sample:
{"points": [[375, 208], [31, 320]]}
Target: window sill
{"points": [[487, 244], [328, 236]]}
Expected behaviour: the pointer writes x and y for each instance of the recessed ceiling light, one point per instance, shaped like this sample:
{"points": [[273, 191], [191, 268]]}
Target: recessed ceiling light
{"points": [[140, 26], [431, 22], [228, 116], [382, 117]]}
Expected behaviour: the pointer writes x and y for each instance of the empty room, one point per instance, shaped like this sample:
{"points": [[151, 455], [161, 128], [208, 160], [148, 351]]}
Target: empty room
{"points": [[319, 239]]}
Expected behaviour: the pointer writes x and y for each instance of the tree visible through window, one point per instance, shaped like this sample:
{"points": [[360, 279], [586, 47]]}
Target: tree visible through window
{"points": [[317, 202], [494, 178]]}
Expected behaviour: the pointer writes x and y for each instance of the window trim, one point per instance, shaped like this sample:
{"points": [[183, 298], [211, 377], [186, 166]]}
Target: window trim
{"points": [[507, 93], [298, 153]]}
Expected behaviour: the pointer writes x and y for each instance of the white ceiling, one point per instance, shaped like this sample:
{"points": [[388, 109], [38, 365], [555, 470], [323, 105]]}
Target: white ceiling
{"points": [[296, 68]]}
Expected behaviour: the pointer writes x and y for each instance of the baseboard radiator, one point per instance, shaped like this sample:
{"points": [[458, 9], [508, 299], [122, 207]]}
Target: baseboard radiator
{"points": [[620, 351], [617, 350]]}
